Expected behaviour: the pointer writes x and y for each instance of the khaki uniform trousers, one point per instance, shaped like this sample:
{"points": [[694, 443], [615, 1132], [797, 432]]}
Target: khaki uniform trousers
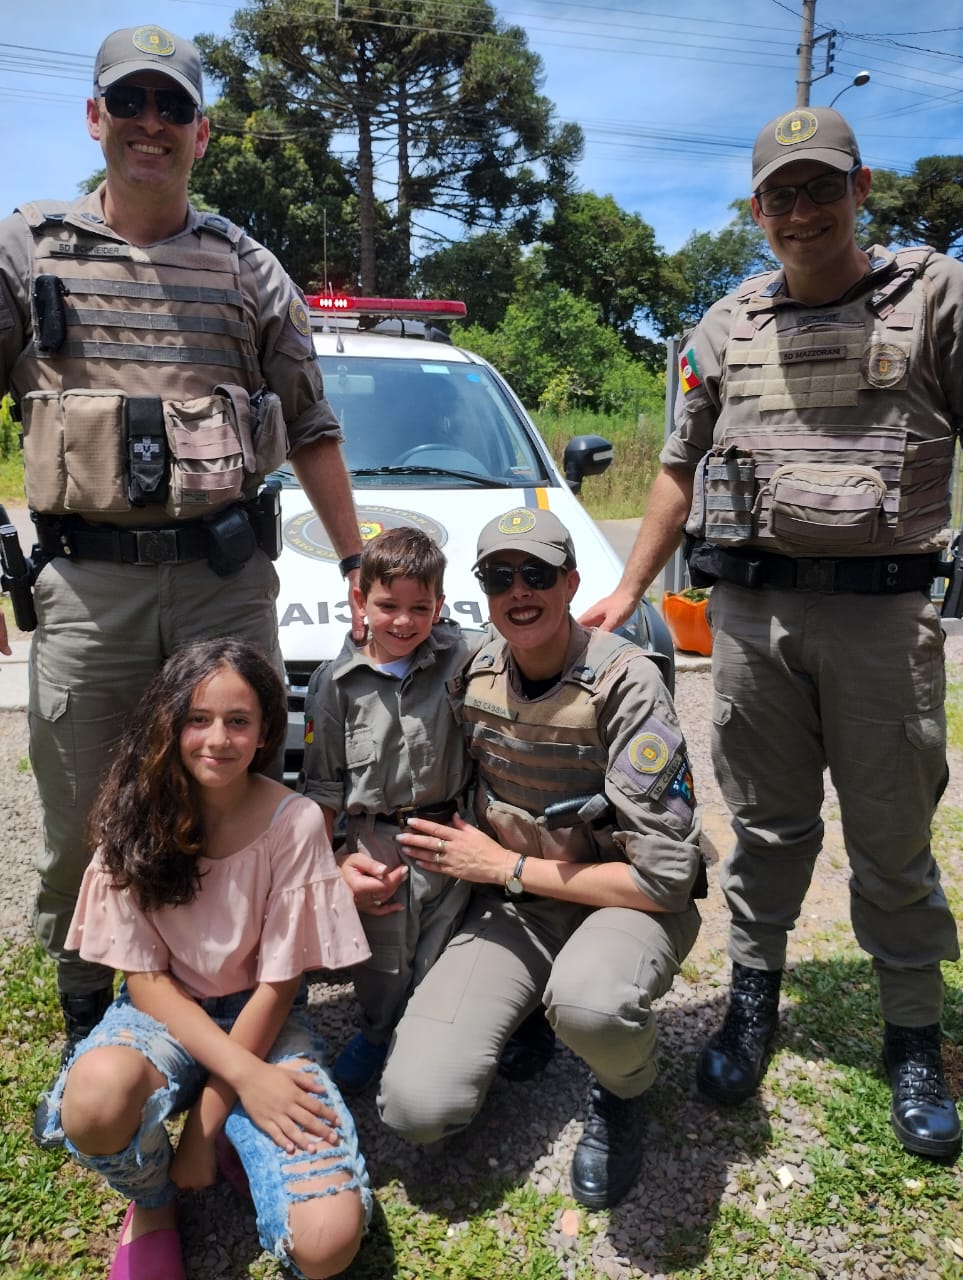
{"points": [[405, 944], [103, 631], [596, 972], [805, 680]]}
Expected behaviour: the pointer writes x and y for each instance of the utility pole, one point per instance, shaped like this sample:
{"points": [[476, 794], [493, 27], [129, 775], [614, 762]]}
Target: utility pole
{"points": [[805, 73]]}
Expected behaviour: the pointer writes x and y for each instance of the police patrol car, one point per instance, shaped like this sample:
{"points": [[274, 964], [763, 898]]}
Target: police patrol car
{"points": [[433, 437]]}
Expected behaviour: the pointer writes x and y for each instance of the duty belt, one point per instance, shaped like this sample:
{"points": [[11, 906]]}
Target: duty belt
{"points": [[167, 545], [867, 575]]}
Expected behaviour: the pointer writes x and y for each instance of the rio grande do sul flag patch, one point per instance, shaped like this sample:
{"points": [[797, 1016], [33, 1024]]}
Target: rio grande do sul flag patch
{"points": [[688, 371]]}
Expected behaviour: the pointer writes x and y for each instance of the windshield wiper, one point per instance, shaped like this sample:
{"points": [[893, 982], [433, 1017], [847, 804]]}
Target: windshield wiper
{"points": [[487, 482]]}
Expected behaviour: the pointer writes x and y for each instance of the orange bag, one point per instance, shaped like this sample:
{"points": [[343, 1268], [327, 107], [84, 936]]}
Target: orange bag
{"points": [[685, 616]]}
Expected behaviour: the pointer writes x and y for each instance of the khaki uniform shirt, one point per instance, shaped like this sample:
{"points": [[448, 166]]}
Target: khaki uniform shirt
{"points": [[374, 743]]}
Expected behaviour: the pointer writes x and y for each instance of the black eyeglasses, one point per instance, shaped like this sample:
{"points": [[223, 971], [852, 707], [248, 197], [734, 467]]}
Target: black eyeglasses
{"points": [[496, 577], [827, 188], [125, 101]]}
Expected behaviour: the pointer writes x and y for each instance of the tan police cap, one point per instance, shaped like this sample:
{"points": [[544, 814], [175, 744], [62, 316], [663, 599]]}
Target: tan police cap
{"points": [[538, 533], [806, 133], [135, 49]]}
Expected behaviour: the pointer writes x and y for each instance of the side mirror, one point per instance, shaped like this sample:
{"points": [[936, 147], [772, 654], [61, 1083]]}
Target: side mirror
{"points": [[586, 456]]}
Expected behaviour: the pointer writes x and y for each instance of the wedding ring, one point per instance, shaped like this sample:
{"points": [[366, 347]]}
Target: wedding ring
{"points": [[441, 845], [376, 902]]}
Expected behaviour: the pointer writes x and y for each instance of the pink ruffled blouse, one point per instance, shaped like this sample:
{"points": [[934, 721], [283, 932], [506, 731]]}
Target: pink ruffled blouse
{"points": [[273, 910]]}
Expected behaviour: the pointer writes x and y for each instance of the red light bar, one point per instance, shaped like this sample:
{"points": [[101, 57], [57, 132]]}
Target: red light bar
{"points": [[422, 308]]}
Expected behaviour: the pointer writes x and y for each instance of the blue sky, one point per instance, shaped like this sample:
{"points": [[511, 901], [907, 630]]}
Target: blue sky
{"points": [[670, 96]]}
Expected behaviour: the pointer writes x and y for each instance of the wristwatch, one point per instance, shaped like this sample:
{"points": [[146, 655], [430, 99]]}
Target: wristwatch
{"points": [[349, 563], [513, 885]]}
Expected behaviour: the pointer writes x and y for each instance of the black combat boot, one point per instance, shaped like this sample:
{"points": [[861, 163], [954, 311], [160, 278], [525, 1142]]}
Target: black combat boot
{"points": [[529, 1049], [923, 1115], [608, 1157], [81, 1012], [731, 1065]]}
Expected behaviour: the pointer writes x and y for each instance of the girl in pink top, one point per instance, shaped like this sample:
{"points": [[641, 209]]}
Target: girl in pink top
{"points": [[214, 889]]}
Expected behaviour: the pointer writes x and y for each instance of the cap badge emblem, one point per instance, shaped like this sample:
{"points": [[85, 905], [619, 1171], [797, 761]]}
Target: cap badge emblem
{"points": [[521, 520], [796, 127], [154, 40]]}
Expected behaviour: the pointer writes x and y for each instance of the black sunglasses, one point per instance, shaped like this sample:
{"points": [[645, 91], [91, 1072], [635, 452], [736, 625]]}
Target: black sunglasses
{"points": [[125, 101], [496, 577], [827, 188]]}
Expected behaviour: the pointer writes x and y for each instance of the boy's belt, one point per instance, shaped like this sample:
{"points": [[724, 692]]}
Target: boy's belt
{"points": [[442, 812]]}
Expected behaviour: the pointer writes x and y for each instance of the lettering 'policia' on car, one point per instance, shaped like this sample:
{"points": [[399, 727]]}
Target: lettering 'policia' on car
{"points": [[433, 437]]}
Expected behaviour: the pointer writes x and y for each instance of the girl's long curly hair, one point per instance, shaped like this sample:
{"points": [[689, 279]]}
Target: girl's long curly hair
{"points": [[146, 820]]}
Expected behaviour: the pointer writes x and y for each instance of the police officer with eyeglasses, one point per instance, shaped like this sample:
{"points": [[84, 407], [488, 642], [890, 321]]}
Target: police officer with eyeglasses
{"points": [[810, 468], [162, 365]]}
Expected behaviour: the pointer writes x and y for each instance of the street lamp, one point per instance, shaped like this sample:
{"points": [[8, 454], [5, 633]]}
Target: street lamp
{"points": [[861, 77]]}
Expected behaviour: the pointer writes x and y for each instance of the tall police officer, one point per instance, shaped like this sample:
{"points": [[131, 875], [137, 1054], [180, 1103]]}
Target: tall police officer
{"points": [[584, 866], [815, 428], [162, 363]]}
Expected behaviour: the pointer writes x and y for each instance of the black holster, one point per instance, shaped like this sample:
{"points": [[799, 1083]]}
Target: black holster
{"points": [[17, 574]]}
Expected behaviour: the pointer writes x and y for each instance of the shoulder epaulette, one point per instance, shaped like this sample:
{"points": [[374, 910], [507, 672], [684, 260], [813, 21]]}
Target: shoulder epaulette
{"points": [[37, 213], [764, 285], [909, 264], [220, 226], [604, 648]]}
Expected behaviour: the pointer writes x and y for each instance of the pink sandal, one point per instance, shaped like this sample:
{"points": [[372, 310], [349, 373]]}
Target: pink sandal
{"points": [[154, 1256], [229, 1164]]}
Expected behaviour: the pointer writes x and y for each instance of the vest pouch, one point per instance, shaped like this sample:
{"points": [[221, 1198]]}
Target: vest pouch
{"points": [[207, 460], [510, 826], [270, 432], [729, 488], [243, 411], [831, 510], [522, 832], [45, 476], [94, 445]]}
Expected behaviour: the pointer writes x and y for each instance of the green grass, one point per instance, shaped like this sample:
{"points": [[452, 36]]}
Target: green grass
{"points": [[11, 479], [954, 714], [876, 1201], [51, 1214]]}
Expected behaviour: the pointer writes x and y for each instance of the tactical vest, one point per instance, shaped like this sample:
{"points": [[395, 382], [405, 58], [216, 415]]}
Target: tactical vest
{"points": [[834, 436], [535, 753], [136, 390]]}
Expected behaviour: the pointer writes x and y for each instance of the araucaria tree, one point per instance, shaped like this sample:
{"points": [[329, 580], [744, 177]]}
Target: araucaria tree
{"points": [[438, 101]]}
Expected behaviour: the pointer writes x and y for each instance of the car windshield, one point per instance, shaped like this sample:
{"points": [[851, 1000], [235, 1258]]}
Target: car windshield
{"points": [[429, 423]]}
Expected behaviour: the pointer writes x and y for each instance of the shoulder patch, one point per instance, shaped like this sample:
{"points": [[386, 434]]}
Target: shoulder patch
{"points": [[650, 759], [298, 315], [689, 371], [648, 753]]}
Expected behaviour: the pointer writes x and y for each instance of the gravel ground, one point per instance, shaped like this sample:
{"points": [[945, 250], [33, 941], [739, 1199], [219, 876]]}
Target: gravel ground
{"points": [[696, 1160]]}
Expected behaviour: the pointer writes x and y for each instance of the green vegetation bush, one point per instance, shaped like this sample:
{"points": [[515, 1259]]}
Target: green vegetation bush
{"points": [[619, 493], [11, 455], [9, 430]]}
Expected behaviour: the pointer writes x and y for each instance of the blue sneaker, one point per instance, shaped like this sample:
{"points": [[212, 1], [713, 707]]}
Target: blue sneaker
{"points": [[358, 1063]]}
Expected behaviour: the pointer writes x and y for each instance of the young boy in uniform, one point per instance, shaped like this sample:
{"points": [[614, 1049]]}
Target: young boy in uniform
{"points": [[383, 744]]}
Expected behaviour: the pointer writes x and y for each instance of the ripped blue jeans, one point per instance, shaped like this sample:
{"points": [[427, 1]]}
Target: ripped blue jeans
{"points": [[141, 1171]]}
